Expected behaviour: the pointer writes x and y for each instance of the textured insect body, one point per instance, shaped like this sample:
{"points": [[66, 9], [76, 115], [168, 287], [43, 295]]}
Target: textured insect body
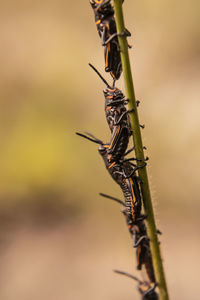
{"points": [[114, 169], [117, 117], [112, 49], [143, 251], [106, 27], [132, 199], [149, 265], [132, 192], [102, 7], [140, 241], [129, 186]]}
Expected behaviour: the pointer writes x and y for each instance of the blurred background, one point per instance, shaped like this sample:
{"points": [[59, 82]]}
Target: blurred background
{"points": [[58, 238]]}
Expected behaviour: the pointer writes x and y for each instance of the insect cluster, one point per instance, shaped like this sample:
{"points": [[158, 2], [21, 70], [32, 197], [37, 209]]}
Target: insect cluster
{"points": [[123, 170]]}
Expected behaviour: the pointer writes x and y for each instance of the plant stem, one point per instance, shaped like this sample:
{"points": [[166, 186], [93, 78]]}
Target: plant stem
{"points": [[137, 140]]}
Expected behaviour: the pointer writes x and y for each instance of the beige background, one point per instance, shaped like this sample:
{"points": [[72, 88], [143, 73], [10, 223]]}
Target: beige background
{"points": [[58, 238]]}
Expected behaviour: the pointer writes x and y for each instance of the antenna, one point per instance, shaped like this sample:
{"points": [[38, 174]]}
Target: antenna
{"points": [[103, 79], [112, 198], [128, 275], [90, 139]]}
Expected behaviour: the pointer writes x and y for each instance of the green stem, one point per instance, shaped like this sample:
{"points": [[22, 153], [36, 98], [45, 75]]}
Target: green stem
{"points": [[137, 139]]}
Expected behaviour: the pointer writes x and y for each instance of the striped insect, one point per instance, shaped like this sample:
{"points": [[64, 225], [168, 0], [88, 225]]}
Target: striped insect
{"points": [[114, 168], [141, 241], [106, 27], [130, 188], [128, 182], [118, 120], [144, 256], [146, 289], [131, 226]]}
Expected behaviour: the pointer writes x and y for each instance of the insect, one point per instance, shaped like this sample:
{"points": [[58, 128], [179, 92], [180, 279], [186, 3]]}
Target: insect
{"points": [[146, 289], [141, 241], [144, 253], [130, 188], [117, 117], [131, 227], [106, 27], [128, 182]]}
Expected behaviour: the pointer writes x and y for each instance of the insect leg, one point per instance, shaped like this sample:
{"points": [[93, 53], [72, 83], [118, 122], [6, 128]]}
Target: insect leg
{"points": [[123, 115], [136, 159], [123, 33], [129, 151], [117, 102], [150, 290], [137, 103], [144, 237], [135, 169]]}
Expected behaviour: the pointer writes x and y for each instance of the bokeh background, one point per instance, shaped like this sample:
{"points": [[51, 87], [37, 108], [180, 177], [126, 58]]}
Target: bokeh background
{"points": [[58, 238]]}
